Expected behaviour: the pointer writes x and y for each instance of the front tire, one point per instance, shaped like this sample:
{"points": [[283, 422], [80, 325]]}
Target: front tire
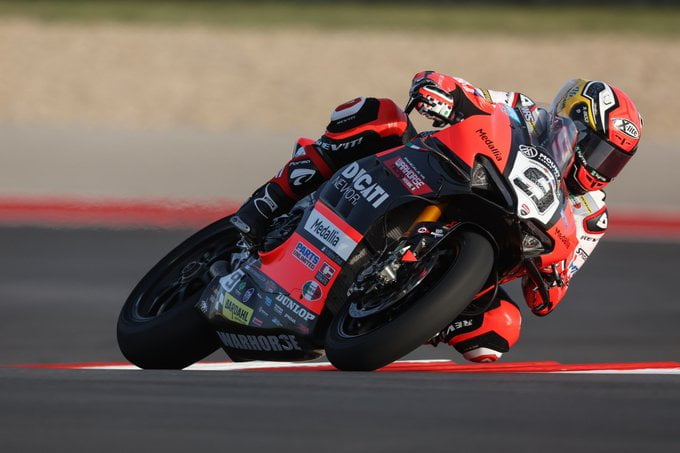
{"points": [[158, 326], [446, 298]]}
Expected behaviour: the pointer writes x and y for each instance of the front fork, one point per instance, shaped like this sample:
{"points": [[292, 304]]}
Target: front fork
{"points": [[405, 252], [386, 269], [430, 213]]}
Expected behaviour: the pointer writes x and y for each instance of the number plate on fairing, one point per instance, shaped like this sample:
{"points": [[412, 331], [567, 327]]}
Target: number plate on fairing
{"points": [[536, 186]]}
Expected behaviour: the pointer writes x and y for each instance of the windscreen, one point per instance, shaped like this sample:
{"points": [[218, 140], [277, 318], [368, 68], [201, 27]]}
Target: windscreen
{"points": [[559, 141]]}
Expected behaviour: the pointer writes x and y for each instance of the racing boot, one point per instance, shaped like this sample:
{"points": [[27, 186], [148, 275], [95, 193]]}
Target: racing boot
{"points": [[254, 217], [486, 336]]}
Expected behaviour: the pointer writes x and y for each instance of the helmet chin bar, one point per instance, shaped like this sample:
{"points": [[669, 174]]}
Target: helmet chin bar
{"points": [[573, 184], [581, 180]]}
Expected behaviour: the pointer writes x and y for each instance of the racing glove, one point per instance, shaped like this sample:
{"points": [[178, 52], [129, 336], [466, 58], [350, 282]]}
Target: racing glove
{"points": [[433, 101], [557, 282]]}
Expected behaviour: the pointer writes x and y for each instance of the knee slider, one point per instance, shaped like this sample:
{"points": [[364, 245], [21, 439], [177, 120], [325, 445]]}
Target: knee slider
{"points": [[482, 355]]}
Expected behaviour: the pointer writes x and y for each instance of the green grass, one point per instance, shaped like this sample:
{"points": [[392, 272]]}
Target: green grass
{"points": [[346, 15]]}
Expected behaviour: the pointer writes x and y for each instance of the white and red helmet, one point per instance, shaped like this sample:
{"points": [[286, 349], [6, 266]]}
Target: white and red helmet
{"points": [[609, 130]]}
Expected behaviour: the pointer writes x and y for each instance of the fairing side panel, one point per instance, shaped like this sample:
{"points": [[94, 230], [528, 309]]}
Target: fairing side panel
{"points": [[490, 135]]}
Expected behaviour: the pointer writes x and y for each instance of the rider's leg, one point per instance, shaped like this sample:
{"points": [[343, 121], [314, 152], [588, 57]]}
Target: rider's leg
{"points": [[299, 176], [358, 128], [485, 337]]}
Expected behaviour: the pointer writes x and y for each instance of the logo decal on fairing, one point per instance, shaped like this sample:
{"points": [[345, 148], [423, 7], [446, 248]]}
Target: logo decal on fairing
{"points": [[312, 291], [330, 235], [281, 342], [528, 151], [489, 144], [306, 256], [235, 311], [354, 183], [296, 308], [248, 294], [325, 274], [409, 176]]}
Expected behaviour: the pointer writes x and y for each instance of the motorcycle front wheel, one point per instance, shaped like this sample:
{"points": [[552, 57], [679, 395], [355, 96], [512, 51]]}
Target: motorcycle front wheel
{"points": [[364, 336], [158, 326]]}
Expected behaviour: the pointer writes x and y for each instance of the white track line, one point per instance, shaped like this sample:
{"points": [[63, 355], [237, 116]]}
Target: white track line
{"points": [[244, 366]]}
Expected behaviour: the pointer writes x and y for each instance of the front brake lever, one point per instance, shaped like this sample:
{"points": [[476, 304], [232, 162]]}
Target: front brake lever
{"points": [[556, 276], [410, 105], [540, 281]]}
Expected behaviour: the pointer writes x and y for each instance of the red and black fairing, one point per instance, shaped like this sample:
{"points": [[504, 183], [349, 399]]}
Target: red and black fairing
{"points": [[278, 306], [502, 151]]}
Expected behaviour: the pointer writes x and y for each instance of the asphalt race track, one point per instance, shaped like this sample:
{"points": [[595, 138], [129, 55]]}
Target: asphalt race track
{"points": [[60, 292]]}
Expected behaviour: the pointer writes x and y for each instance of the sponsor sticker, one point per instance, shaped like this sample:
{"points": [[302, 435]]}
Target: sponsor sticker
{"points": [[296, 308], [270, 286], [582, 254], [627, 127], [306, 256], [299, 176], [282, 342], [330, 235], [408, 175], [312, 291], [234, 310], [354, 183], [529, 151], [484, 137], [457, 325], [248, 294], [338, 146], [230, 281], [325, 274]]}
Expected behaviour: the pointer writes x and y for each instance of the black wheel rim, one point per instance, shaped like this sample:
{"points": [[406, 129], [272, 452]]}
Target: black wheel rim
{"points": [[379, 314], [182, 280]]}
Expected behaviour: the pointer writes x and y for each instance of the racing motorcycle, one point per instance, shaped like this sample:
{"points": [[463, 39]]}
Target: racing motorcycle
{"points": [[376, 262]]}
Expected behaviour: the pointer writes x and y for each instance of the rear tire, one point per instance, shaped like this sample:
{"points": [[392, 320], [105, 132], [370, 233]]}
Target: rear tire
{"points": [[446, 299], [158, 326]]}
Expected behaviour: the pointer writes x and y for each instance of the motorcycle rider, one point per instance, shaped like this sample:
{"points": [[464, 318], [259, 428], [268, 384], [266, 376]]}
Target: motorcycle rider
{"points": [[609, 129]]}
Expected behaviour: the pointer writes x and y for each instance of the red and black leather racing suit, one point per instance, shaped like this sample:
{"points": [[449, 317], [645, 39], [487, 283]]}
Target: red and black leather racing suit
{"points": [[365, 126]]}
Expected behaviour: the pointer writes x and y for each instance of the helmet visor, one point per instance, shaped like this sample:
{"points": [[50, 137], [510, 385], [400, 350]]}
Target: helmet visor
{"points": [[603, 157]]}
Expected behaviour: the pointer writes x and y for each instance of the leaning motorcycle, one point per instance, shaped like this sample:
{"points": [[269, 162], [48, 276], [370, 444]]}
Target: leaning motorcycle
{"points": [[376, 262]]}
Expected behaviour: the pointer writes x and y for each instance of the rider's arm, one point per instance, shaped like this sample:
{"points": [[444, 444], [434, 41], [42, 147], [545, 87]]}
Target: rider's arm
{"points": [[445, 97], [590, 214]]}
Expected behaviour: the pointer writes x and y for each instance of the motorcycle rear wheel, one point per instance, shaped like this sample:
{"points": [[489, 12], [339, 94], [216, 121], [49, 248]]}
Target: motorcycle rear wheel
{"points": [[158, 327], [446, 297]]}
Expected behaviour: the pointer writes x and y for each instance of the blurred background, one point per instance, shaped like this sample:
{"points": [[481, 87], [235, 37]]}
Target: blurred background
{"points": [[203, 99], [112, 105]]}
